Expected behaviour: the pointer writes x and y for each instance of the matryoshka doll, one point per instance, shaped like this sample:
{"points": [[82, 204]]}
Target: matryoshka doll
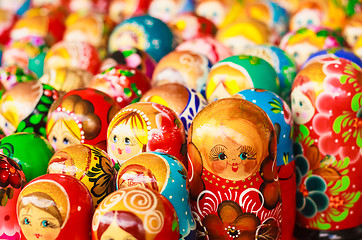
{"points": [[185, 101], [12, 180], [40, 22], [281, 61], [81, 117], [33, 160], [50, 206], [143, 32], [184, 67], [271, 14], [234, 186], [280, 114], [80, 55], [65, 79], [189, 25], [303, 42], [242, 34], [166, 10], [125, 84], [214, 10], [240, 72], [24, 108], [326, 110], [144, 127], [88, 164], [208, 46], [120, 10], [132, 57], [166, 175], [93, 28], [28, 52], [135, 213], [324, 13]]}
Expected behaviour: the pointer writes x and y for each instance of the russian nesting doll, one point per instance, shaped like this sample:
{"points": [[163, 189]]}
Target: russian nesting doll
{"points": [[135, 213], [234, 187], [51, 205], [326, 109], [143, 127], [166, 175], [81, 116]]}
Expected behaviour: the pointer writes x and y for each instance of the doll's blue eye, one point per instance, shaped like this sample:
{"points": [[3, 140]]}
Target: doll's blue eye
{"points": [[65, 141], [115, 139], [6, 124], [55, 139], [243, 156], [310, 22], [127, 141], [222, 156], [301, 103], [45, 223], [26, 221]]}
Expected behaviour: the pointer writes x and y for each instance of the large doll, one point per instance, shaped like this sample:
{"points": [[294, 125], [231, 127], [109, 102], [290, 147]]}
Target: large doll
{"points": [[234, 188]]}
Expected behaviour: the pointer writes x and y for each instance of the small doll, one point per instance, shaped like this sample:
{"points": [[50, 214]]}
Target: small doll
{"points": [[137, 214], [51, 205], [143, 127], [80, 116]]}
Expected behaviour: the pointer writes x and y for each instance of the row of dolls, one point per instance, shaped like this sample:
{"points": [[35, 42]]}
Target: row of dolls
{"points": [[47, 37], [244, 166]]}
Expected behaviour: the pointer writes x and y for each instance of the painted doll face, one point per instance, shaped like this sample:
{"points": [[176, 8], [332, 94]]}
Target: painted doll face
{"points": [[352, 34], [301, 51], [306, 17], [121, 9], [212, 10], [302, 107], [115, 232], [226, 80], [164, 10], [238, 44], [235, 155], [123, 143], [61, 136], [38, 224]]}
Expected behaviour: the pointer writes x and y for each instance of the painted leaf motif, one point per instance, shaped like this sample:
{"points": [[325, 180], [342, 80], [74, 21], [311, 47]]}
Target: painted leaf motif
{"points": [[328, 173]]}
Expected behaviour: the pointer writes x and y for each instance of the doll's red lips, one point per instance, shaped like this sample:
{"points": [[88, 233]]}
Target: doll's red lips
{"points": [[119, 151], [37, 235], [235, 168], [297, 114]]}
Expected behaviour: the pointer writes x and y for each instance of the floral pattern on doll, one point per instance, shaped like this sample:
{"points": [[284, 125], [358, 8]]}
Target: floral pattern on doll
{"points": [[340, 129], [322, 186], [238, 225]]}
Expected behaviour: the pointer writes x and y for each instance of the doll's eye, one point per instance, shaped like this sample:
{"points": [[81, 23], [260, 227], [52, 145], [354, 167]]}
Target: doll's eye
{"points": [[295, 54], [45, 223], [301, 103], [130, 141], [244, 155], [310, 22], [26, 221], [55, 139], [222, 156], [127, 141], [115, 139], [66, 141], [6, 124]]}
